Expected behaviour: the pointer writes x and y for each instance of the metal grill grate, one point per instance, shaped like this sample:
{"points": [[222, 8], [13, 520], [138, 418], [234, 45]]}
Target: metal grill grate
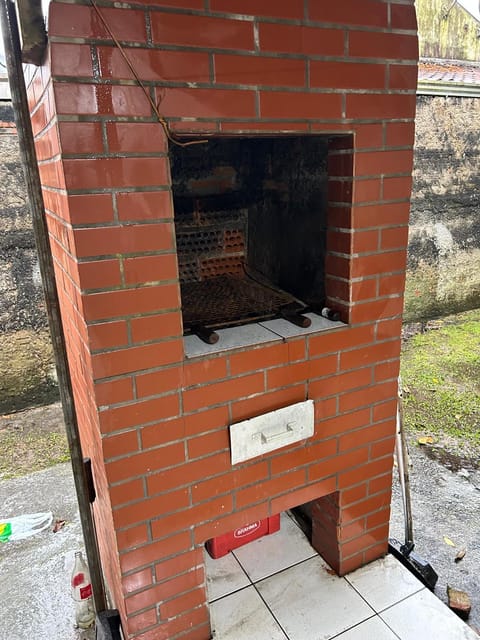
{"points": [[228, 301]]}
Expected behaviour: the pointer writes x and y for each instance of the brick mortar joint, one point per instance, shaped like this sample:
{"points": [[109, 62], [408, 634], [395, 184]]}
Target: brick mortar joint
{"points": [[250, 18]]}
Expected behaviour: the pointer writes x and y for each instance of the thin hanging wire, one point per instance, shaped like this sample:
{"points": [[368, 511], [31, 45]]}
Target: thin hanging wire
{"points": [[161, 119]]}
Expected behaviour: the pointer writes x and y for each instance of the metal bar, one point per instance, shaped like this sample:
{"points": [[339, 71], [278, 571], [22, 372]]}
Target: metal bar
{"points": [[11, 42], [444, 88], [402, 460]]}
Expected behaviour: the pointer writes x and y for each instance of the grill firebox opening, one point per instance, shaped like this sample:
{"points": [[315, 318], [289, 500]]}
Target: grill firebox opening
{"points": [[250, 225]]}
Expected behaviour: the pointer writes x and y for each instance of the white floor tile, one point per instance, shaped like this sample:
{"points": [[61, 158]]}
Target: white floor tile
{"points": [[384, 582], [372, 629], [275, 552], [224, 576], [311, 604], [244, 616], [424, 616]]}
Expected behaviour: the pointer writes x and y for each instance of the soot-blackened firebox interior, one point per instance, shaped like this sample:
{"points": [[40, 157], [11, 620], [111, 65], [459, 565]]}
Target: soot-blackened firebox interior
{"points": [[250, 225]]}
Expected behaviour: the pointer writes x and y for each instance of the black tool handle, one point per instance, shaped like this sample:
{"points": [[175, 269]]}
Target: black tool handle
{"points": [[295, 317], [204, 333]]}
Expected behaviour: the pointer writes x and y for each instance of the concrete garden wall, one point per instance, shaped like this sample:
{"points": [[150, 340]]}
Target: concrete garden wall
{"points": [[26, 363], [21, 300], [444, 243]]}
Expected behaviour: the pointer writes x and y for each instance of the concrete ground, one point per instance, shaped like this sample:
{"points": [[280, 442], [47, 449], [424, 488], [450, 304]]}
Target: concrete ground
{"points": [[445, 504], [35, 573]]}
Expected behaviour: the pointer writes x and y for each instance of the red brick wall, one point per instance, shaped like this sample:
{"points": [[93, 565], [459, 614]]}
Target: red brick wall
{"points": [[156, 425], [59, 211]]}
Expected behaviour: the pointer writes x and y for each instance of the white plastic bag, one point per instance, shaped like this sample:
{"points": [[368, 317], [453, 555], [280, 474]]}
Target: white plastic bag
{"points": [[20, 527]]}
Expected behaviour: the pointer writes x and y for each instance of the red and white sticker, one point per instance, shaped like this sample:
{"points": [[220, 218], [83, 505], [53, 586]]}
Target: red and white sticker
{"points": [[245, 531], [78, 579], [86, 592]]}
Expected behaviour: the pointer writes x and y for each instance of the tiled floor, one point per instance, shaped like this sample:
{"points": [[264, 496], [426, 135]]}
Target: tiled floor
{"points": [[278, 588]]}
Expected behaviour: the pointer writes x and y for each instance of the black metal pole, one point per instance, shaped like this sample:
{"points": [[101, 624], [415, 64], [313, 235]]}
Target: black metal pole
{"points": [[11, 42]]}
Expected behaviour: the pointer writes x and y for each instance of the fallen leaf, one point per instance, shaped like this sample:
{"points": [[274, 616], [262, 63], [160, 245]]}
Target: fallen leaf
{"points": [[59, 524], [460, 554], [426, 440], [448, 541]]}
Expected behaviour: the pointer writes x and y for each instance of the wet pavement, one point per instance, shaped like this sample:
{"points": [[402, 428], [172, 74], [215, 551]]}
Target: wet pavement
{"points": [[35, 572], [445, 504]]}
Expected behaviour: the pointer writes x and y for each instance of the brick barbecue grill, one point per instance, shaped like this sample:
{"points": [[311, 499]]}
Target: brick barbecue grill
{"points": [[250, 221], [294, 197]]}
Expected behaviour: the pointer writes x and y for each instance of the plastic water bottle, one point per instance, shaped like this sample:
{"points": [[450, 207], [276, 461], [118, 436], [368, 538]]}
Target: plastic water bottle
{"points": [[82, 593]]}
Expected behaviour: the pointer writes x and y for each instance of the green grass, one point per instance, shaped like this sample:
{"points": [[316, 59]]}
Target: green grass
{"points": [[23, 452], [441, 375]]}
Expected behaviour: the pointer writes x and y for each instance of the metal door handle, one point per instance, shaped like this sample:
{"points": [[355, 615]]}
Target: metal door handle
{"points": [[269, 436]]}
